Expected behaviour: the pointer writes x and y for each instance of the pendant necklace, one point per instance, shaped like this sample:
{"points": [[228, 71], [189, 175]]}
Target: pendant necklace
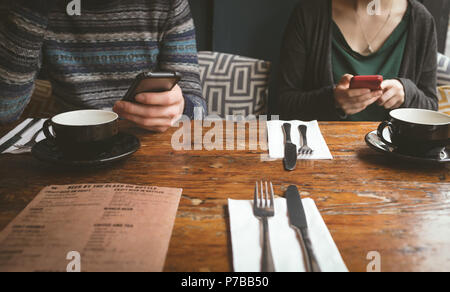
{"points": [[369, 49]]}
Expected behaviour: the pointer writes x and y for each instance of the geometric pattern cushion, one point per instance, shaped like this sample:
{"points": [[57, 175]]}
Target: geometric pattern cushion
{"points": [[443, 73], [444, 99], [234, 85], [443, 76]]}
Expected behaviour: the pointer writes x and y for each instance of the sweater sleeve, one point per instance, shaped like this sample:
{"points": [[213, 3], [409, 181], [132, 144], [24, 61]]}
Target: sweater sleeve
{"points": [[21, 38], [294, 101], [423, 93], [179, 53]]}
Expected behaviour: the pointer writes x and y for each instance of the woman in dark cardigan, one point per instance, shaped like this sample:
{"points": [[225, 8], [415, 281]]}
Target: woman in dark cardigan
{"points": [[329, 41]]}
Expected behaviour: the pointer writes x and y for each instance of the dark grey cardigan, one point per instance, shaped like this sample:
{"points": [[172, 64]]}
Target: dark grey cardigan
{"points": [[306, 82]]}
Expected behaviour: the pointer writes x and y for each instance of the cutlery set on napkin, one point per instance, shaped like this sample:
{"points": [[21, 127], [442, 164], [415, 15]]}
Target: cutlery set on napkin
{"points": [[294, 237], [22, 138], [295, 140]]}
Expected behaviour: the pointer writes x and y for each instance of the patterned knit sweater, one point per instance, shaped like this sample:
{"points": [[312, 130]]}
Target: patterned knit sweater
{"points": [[92, 59]]}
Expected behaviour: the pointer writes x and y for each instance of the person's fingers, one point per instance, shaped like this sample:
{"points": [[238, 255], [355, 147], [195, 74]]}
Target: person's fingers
{"points": [[344, 84], [145, 111], [387, 96], [153, 98], [354, 93], [153, 129], [148, 122], [346, 78], [393, 103], [360, 106], [161, 98], [387, 84], [366, 97], [390, 103]]}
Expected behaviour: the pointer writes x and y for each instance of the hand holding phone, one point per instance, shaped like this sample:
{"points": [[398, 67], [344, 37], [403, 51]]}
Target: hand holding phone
{"points": [[393, 94], [152, 82], [372, 82], [153, 102], [353, 94]]}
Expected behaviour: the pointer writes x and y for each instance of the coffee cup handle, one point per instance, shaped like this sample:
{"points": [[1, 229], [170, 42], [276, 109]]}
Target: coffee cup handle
{"points": [[46, 129], [380, 131]]}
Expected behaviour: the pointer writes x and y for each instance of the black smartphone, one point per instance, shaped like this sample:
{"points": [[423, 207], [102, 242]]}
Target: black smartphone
{"points": [[152, 82]]}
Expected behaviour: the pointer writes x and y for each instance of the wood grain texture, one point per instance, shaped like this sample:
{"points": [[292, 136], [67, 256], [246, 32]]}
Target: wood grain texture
{"points": [[369, 202]]}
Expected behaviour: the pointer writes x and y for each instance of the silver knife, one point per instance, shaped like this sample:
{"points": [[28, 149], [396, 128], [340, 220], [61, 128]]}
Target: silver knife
{"points": [[298, 221], [290, 149], [16, 138]]}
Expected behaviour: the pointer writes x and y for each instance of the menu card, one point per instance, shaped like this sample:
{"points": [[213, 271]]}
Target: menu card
{"points": [[90, 228]]}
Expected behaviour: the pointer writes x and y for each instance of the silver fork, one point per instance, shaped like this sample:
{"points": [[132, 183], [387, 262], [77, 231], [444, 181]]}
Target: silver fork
{"points": [[263, 208], [305, 149], [30, 143]]}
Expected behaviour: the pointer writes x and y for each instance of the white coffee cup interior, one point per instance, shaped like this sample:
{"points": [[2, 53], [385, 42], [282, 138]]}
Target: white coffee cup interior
{"points": [[422, 117], [85, 118]]}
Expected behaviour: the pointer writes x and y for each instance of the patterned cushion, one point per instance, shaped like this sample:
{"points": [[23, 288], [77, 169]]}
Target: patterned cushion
{"points": [[444, 99], [443, 73], [444, 83], [234, 85]]}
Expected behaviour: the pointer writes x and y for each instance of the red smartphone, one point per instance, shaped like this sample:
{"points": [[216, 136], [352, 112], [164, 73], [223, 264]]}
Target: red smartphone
{"points": [[370, 82]]}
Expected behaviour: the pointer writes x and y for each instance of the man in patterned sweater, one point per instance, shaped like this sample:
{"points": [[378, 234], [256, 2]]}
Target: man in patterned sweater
{"points": [[92, 59]]}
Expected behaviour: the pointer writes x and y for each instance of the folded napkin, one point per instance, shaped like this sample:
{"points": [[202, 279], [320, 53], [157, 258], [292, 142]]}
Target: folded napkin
{"points": [[314, 135], [286, 249], [25, 137]]}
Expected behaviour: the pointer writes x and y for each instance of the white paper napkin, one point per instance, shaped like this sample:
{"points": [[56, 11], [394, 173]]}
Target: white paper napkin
{"points": [[315, 140], [25, 137], [286, 249]]}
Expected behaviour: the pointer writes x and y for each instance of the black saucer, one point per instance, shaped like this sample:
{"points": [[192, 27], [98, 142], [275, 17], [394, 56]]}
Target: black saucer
{"points": [[123, 146], [374, 142]]}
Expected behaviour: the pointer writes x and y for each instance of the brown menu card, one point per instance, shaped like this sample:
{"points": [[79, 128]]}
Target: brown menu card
{"points": [[92, 228]]}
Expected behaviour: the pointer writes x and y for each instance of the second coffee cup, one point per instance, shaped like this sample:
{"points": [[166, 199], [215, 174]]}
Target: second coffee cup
{"points": [[417, 132]]}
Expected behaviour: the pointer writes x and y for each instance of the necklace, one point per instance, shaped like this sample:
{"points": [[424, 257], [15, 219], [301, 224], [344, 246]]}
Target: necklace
{"points": [[369, 49]]}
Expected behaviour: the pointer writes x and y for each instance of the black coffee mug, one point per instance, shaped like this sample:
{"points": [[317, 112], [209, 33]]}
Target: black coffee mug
{"points": [[84, 133], [416, 132]]}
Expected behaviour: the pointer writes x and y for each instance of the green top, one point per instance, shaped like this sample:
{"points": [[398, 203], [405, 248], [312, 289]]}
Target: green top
{"points": [[386, 62]]}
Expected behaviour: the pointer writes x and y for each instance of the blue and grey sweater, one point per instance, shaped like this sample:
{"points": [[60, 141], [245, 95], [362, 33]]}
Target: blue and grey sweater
{"points": [[92, 59]]}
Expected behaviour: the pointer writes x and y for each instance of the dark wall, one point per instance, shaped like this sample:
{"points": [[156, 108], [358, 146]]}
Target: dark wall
{"points": [[251, 27], [254, 28], [440, 10], [202, 12]]}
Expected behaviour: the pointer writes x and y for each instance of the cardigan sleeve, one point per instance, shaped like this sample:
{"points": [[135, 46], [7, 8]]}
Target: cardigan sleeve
{"points": [[423, 93], [294, 102]]}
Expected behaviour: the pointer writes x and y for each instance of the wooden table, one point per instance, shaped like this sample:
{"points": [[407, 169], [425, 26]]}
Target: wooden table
{"points": [[369, 202]]}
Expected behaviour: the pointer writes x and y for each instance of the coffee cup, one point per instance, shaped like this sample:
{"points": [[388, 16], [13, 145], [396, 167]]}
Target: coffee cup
{"points": [[416, 132], [84, 133]]}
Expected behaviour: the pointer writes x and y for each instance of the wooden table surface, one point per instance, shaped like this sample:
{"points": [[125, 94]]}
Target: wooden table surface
{"points": [[369, 202]]}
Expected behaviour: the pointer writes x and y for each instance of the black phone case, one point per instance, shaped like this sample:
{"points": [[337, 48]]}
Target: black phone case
{"points": [[152, 82]]}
